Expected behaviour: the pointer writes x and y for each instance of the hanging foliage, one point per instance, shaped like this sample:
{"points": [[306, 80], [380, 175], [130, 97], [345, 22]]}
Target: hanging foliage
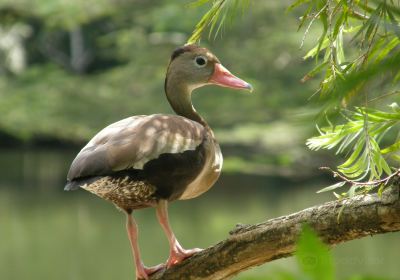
{"points": [[357, 57]]}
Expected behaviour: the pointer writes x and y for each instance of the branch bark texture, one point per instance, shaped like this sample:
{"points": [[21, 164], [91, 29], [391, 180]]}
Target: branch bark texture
{"points": [[252, 245]]}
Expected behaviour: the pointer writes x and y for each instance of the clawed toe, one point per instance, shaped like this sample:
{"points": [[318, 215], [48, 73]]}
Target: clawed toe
{"points": [[144, 272], [181, 254], [153, 269]]}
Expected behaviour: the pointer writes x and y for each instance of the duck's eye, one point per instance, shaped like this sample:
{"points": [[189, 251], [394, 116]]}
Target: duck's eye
{"points": [[200, 61]]}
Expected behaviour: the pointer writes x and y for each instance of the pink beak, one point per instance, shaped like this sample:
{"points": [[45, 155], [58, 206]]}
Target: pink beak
{"points": [[222, 77]]}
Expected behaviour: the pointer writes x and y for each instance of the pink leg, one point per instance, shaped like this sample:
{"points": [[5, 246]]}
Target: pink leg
{"points": [[142, 272], [177, 253]]}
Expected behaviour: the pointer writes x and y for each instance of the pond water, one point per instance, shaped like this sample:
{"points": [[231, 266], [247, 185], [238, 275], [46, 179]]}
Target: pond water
{"points": [[46, 233]]}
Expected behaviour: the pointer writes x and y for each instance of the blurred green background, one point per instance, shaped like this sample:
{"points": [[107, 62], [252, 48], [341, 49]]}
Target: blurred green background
{"points": [[68, 68]]}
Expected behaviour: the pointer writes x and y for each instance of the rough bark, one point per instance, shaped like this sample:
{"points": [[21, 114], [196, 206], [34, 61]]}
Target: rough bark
{"points": [[252, 245]]}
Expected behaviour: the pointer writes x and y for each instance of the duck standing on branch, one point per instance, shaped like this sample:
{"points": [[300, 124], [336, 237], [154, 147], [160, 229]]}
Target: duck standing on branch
{"points": [[149, 161]]}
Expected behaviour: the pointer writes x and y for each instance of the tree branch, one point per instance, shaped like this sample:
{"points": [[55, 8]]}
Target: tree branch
{"points": [[252, 245]]}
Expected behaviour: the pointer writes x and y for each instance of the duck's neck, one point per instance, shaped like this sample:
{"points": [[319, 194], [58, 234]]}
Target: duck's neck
{"points": [[179, 97]]}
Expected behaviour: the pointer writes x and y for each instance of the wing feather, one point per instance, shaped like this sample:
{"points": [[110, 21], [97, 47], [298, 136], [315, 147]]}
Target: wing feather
{"points": [[132, 142]]}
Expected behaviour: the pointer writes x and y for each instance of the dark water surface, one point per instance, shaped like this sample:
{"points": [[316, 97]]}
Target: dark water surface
{"points": [[46, 233]]}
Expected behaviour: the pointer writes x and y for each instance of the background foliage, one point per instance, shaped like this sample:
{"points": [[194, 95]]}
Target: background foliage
{"points": [[75, 60]]}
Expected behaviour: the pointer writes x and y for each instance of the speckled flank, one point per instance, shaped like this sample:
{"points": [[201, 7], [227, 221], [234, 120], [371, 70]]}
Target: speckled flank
{"points": [[124, 192]]}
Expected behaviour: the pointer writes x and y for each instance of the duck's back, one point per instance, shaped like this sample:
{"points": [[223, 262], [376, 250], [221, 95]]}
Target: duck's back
{"points": [[141, 159]]}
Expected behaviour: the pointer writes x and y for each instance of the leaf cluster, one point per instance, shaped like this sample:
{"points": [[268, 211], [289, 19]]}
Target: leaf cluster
{"points": [[356, 37], [357, 55], [361, 138], [216, 16]]}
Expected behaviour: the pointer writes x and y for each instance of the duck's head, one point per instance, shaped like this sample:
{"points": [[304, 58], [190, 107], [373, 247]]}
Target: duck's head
{"points": [[192, 66]]}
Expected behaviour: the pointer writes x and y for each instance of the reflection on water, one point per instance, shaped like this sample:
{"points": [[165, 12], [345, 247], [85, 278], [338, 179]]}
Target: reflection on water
{"points": [[46, 233]]}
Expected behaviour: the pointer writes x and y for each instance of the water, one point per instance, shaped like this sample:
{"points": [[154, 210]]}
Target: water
{"points": [[46, 233]]}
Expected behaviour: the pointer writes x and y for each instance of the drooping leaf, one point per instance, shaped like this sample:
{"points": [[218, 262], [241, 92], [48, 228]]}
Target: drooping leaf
{"points": [[332, 187], [313, 256]]}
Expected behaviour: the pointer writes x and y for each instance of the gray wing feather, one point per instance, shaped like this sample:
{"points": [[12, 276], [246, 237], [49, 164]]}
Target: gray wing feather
{"points": [[132, 142]]}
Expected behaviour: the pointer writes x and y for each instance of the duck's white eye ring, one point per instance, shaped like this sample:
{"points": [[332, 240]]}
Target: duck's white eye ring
{"points": [[200, 61]]}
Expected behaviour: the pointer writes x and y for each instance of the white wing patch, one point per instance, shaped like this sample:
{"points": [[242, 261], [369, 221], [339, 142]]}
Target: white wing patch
{"points": [[163, 142]]}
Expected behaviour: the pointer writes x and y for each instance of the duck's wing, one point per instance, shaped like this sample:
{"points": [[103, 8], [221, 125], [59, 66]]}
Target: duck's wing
{"points": [[132, 142]]}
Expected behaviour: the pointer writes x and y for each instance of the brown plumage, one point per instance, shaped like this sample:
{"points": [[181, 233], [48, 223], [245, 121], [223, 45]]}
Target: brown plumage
{"points": [[148, 161], [124, 192]]}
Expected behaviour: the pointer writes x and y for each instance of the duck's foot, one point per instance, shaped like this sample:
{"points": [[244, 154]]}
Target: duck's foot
{"points": [[143, 272], [178, 254]]}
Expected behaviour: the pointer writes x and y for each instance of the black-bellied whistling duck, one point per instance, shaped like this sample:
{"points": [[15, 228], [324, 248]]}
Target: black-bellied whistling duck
{"points": [[148, 161]]}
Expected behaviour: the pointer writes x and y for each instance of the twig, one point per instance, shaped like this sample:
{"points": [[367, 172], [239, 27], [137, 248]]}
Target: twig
{"points": [[311, 22], [384, 96], [384, 181], [358, 15]]}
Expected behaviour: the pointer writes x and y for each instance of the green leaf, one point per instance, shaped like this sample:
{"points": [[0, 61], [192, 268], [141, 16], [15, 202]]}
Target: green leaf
{"points": [[198, 3], [394, 23], [313, 256], [314, 71], [338, 25], [381, 189], [385, 166], [396, 157], [338, 196], [358, 148], [314, 51], [304, 18], [297, 3], [216, 16], [324, 20], [392, 148], [352, 191], [385, 49], [339, 48], [209, 19], [332, 187]]}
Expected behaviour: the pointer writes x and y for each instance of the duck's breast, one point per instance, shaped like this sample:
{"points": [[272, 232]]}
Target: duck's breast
{"points": [[209, 173]]}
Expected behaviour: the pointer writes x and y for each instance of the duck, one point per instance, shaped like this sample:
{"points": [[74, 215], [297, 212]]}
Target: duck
{"points": [[152, 160]]}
